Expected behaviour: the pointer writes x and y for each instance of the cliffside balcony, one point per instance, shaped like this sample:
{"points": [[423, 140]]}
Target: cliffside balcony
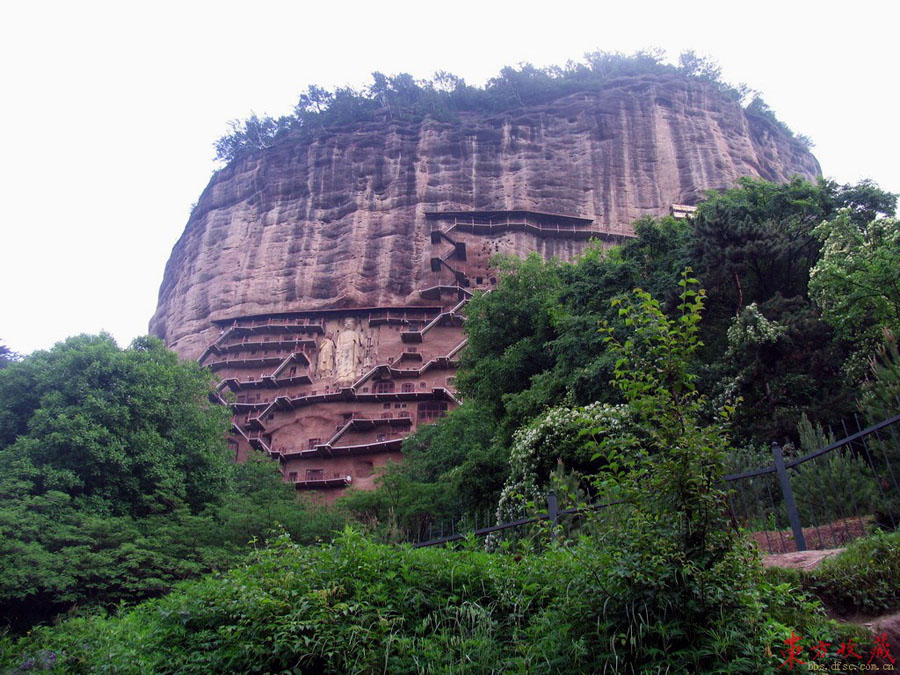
{"points": [[246, 362], [263, 325], [335, 480], [357, 449], [435, 292], [532, 222], [450, 318], [290, 380], [360, 424], [402, 317], [286, 345], [236, 384]]}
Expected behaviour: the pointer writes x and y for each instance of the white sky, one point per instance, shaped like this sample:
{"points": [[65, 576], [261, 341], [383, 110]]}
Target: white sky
{"points": [[111, 109]]}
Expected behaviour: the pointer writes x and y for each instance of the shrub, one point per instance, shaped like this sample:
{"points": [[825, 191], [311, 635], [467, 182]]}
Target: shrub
{"points": [[559, 436], [863, 578], [352, 607], [677, 587], [359, 607]]}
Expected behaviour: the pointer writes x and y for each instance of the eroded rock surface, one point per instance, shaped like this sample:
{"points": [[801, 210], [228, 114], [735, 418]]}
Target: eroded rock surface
{"points": [[339, 221]]}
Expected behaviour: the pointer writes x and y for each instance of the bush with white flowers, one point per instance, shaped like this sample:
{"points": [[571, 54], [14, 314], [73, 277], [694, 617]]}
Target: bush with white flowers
{"points": [[562, 435]]}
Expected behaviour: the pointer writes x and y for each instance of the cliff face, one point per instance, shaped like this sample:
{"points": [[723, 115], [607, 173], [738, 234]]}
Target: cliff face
{"points": [[339, 221]]}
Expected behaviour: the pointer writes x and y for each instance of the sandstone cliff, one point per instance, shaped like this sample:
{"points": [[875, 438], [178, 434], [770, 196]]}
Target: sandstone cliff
{"points": [[339, 221]]}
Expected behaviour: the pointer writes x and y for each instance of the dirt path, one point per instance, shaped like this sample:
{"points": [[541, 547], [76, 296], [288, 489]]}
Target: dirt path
{"points": [[800, 560], [887, 625]]}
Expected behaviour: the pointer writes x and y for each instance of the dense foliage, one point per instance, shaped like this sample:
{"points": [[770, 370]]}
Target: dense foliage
{"points": [[770, 339], [402, 97], [116, 482], [861, 579], [121, 428], [7, 356], [357, 607]]}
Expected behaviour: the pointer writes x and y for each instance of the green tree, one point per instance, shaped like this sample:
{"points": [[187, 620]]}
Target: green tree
{"points": [[756, 240], [132, 428], [253, 133], [671, 544], [7, 356], [116, 482], [757, 244], [779, 368], [508, 331], [856, 282]]}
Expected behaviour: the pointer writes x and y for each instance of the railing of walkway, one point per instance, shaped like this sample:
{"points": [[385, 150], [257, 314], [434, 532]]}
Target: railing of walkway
{"points": [[823, 499]]}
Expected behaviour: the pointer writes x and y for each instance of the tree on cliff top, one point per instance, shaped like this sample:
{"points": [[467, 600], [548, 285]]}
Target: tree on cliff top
{"points": [[7, 356], [402, 97]]}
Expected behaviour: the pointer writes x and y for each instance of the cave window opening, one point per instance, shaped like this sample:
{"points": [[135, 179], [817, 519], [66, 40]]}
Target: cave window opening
{"points": [[431, 410], [383, 387]]}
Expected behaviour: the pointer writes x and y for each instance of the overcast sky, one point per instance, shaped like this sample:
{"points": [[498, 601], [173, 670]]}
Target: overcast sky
{"points": [[110, 110]]}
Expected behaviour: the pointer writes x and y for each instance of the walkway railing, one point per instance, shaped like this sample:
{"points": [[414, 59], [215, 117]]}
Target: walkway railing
{"points": [[823, 499]]}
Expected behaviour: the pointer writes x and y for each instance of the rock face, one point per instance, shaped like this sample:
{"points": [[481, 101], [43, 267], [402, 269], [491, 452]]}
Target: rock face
{"points": [[322, 279], [340, 221]]}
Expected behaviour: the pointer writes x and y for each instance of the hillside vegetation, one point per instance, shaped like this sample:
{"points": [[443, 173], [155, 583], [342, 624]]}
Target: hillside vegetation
{"points": [[116, 481], [799, 292]]}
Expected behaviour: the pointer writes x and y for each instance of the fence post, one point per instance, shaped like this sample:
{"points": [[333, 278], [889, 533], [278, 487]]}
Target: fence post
{"points": [[552, 513], [785, 481]]}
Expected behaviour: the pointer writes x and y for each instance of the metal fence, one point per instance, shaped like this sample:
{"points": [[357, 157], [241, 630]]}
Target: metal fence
{"points": [[821, 500], [553, 514], [826, 498]]}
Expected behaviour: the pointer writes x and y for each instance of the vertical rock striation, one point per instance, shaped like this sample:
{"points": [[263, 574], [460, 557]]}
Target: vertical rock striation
{"points": [[339, 221]]}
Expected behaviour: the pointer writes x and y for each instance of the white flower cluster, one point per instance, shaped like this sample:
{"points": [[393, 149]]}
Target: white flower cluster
{"points": [[548, 437], [751, 327]]}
